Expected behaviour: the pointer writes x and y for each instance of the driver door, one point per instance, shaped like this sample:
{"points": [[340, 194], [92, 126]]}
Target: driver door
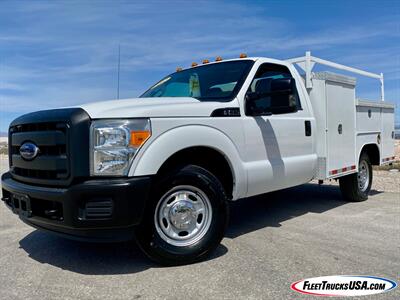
{"points": [[279, 144]]}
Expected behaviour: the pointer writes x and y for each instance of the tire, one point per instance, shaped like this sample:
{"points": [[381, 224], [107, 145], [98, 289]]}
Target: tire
{"points": [[186, 218], [355, 187]]}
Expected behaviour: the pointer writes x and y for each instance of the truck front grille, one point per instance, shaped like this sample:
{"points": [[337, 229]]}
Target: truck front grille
{"points": [[51, 162], [59, 135]]}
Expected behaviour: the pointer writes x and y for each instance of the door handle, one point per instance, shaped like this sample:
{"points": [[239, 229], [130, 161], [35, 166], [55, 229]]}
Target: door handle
{"points": [[340, 129], [307, 126]]}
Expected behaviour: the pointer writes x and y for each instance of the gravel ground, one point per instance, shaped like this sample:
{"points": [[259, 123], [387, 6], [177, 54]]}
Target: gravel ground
{"points": [[272, 241], [386, 181]]}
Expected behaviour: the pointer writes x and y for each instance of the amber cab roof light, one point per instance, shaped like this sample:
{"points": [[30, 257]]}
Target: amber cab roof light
{"points": [[206, 61]]}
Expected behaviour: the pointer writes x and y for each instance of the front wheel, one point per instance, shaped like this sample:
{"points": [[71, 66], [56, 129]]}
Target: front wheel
{"points": [[186, 218], [355, 187]]}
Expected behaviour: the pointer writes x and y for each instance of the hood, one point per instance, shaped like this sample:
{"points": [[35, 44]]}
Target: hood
{"points": [[152, 107]]}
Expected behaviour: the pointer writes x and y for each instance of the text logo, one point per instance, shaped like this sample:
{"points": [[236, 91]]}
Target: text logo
{"points": [[343, 285]]}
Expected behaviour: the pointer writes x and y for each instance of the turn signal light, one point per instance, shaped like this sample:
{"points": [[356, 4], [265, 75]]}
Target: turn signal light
{"points": [[243, 55], [138, 138], [205, 61], [218, 58], [194, 64]]}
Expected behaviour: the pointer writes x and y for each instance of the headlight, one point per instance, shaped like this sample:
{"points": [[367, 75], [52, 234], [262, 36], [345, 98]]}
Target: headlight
{"points": [[114, 143]]}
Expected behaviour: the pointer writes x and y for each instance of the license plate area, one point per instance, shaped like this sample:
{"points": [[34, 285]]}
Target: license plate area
{"points": [[22, 205]]}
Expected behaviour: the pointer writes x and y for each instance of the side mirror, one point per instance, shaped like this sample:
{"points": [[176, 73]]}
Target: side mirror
{"points": [[283, 96], [251, 104], [272, 96]]}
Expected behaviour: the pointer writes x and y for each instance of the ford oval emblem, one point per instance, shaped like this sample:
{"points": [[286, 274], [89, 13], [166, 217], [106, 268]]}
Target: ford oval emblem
{"points": [[28, 150]]}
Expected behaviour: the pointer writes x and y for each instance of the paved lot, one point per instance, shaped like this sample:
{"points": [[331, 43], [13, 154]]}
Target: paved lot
{"points": [[272, 241]]}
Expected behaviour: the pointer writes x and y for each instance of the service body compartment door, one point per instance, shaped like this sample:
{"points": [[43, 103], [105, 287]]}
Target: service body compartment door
{"points": [[341, 135], [387, 134]]}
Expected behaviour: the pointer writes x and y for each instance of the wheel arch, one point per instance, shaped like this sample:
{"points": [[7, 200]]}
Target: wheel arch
{"points": [[207, 158], [195, 144], [373, 152]]}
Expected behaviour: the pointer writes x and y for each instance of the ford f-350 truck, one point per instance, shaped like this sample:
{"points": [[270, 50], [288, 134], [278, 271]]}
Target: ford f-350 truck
{"points": [[162, 168]]}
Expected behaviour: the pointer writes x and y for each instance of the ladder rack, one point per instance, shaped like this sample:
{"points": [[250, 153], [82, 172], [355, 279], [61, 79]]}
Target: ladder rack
{"points": [[308, 62]]}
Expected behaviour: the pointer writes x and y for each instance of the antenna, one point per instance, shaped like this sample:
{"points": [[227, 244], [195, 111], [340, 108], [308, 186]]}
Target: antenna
{"points": [[119, 67]]}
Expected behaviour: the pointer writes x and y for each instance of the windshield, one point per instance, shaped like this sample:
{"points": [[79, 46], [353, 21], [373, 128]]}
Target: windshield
{"points": [[218, 82]]}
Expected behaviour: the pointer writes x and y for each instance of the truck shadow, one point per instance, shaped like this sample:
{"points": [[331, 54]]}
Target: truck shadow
{"points": [[90, 258], [270, 210], [249, 215]]}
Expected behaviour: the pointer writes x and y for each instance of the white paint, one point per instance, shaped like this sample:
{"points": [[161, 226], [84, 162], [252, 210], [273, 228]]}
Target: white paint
{"points": [[151, 107]]}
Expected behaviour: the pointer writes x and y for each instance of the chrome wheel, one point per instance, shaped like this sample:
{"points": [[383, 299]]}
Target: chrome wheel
{"points": [[363, 176], [183, 215]]}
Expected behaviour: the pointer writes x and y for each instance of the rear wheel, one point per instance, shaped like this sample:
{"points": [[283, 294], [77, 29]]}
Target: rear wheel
{"points": [[186, 219], [355, 187]]}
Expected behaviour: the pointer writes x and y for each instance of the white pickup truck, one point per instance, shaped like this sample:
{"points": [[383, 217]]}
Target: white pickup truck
{"points": [[162, 167]]}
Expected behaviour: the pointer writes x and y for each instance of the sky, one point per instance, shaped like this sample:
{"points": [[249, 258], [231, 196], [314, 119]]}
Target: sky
{"points": [[57, 54]]}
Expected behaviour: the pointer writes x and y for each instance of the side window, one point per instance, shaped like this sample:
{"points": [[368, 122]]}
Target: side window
{"points": [[261, 84]]}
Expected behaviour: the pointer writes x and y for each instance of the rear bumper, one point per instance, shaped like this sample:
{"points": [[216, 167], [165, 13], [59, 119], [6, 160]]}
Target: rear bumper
{"points": [[94, 210]]}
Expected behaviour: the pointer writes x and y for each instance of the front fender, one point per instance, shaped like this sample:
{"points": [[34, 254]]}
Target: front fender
{"points": [[168, 143]]}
